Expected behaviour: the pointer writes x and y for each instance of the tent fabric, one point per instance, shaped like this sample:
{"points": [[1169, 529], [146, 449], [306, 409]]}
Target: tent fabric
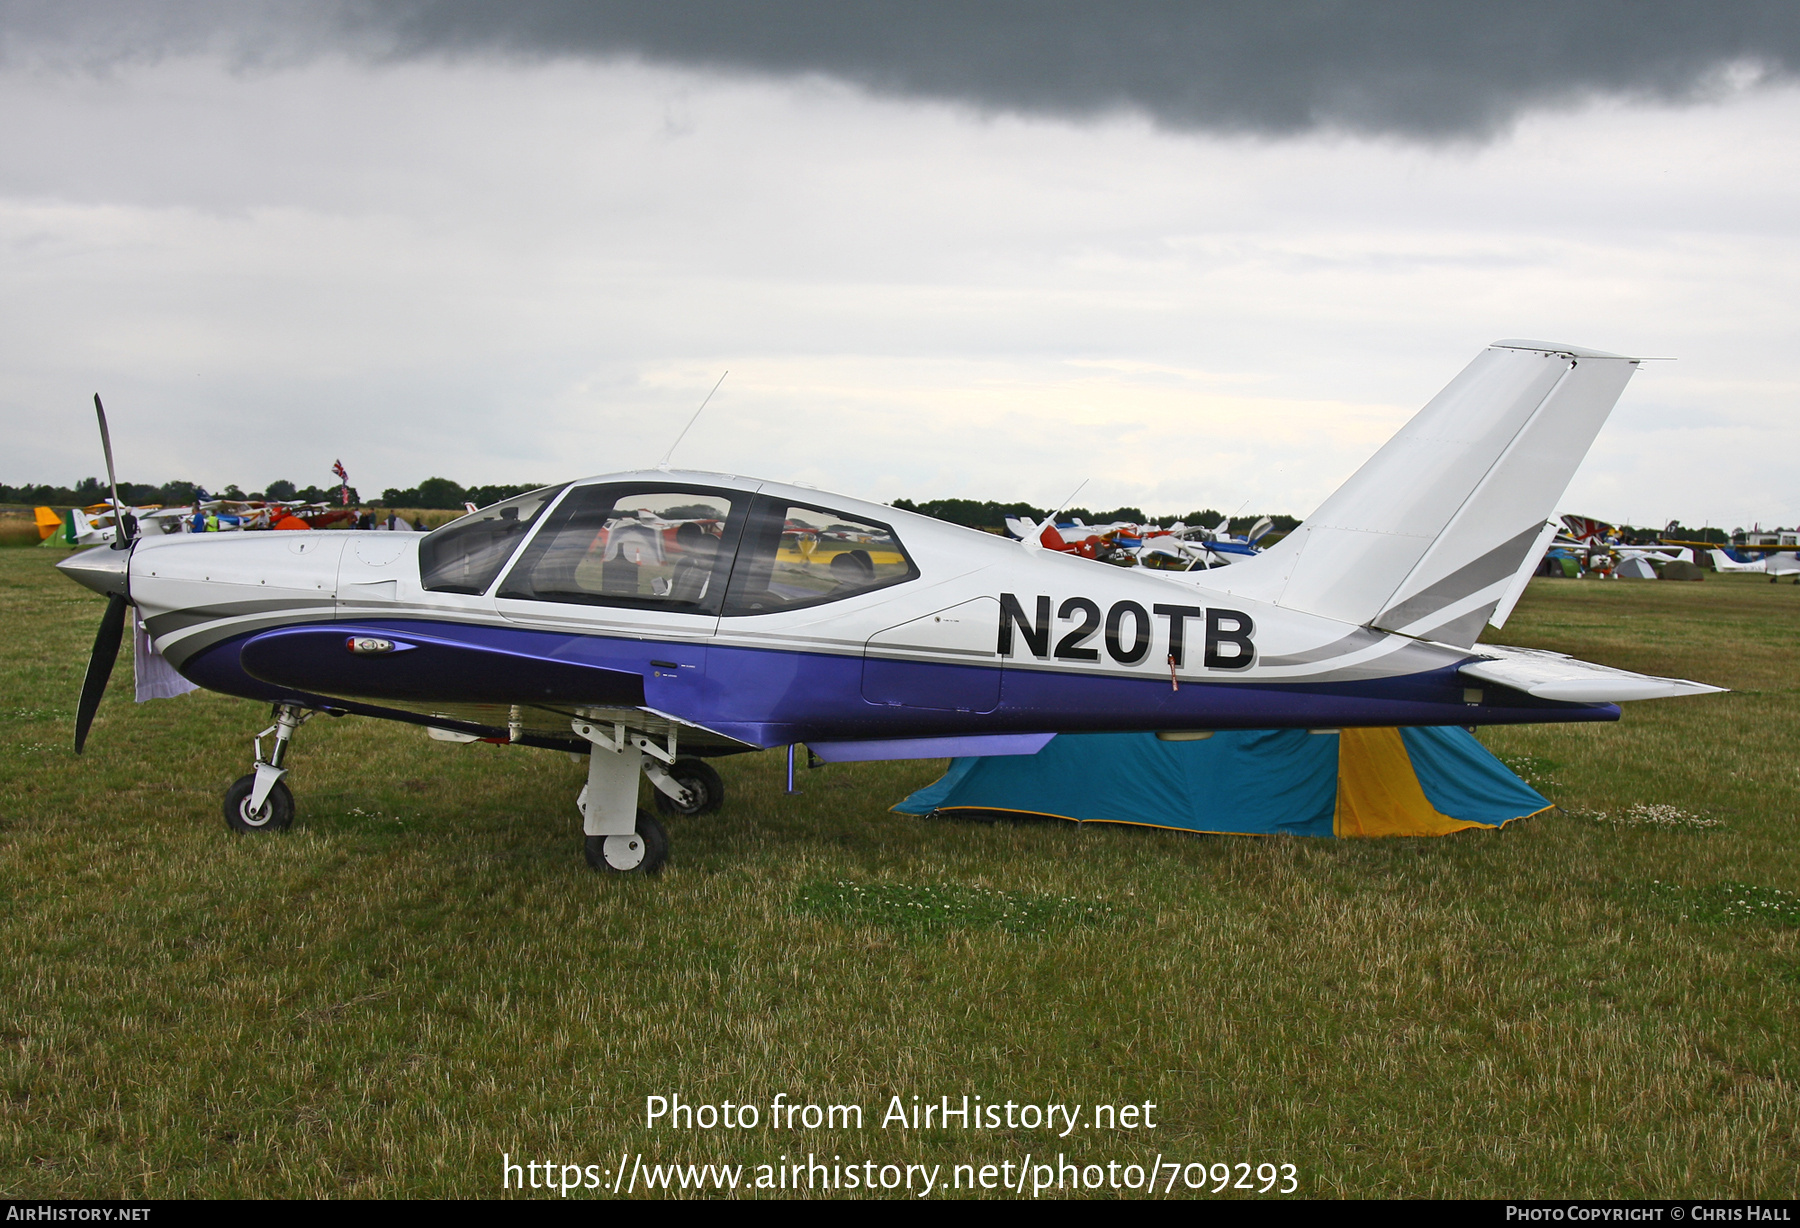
{"points": [[1357, 783], [1379, 792], [1462, 777]]}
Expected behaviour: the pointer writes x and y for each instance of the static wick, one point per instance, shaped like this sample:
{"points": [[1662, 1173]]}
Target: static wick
{"points": [[664, 462]]}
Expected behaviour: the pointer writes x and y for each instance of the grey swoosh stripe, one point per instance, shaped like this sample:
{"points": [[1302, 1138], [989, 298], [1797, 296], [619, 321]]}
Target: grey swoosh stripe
{"points": [[178, 652], [1463, 630], [194, 616], [1356, 641], [287, 614], [1414, 658], [1497, 564]]}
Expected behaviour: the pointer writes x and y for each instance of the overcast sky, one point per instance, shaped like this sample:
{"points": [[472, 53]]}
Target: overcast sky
{"points": [[1196, 255]]}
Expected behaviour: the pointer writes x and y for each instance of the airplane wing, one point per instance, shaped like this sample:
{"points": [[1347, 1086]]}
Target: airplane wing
{"points": [[1554, 675]]}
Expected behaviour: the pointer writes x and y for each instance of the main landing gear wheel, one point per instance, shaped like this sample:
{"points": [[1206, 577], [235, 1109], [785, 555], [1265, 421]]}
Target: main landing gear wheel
{"points": [[277, 813], [699, 778], [642, 852]]}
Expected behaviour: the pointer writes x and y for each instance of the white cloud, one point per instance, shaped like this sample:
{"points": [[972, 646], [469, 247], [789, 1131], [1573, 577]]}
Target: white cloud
{"points": [[500, 274]]}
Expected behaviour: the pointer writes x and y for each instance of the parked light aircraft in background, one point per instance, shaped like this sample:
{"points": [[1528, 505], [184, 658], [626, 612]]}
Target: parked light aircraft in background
{"points": [[97, 525], [1774, 565], [654, 619], [1180, 547]]}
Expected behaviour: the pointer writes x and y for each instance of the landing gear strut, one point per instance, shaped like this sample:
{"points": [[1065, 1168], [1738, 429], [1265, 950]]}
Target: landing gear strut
{"points": [[261, 801], [620, 837]]}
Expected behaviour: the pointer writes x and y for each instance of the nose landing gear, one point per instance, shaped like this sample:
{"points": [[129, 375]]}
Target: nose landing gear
{"points": [[261, 801]]}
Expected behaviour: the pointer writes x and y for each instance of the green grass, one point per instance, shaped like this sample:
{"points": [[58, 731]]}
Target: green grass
{"points": [[423, 974], [18, 530], [929, 908]]}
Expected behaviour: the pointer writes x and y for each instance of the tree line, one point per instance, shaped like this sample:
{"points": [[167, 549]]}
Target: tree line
{"points": [[432, 494], [443, 494], [169, 494]]}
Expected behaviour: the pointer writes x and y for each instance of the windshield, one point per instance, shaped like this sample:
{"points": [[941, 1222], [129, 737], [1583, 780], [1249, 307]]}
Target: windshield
{"points": [[465, 555]]}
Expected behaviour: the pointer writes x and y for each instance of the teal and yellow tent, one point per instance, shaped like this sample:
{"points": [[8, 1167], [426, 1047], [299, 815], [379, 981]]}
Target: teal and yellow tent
{"points": [[1350, 782]]}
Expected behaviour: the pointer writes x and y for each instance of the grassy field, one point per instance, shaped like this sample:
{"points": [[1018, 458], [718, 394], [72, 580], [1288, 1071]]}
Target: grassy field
{"points": [[423, 974]]}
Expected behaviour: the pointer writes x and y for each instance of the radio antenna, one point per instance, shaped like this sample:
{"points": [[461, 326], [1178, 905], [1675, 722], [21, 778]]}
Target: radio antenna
{"points": [[663, 464]]}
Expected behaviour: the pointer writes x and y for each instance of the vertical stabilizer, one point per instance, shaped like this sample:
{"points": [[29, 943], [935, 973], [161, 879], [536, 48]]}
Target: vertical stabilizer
{"points": [[1429, 535]]}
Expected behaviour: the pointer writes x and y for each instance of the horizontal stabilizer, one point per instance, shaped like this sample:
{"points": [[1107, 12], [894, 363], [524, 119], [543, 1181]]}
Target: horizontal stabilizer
{"points": [[1552, 675]]}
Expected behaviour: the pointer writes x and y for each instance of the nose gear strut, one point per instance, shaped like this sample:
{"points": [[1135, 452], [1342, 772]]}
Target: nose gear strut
{"points": [[261, 801]]}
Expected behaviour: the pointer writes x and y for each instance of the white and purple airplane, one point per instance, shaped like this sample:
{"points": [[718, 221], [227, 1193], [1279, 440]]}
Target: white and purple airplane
{"points": [[652, 620]]}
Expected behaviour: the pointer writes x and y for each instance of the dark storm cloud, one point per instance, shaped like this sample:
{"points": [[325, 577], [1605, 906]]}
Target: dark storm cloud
{"points": [[1430, 70]]}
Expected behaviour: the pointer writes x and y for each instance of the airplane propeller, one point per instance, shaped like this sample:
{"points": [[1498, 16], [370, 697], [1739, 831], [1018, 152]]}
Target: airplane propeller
{"points": [[108, 576], [100, 665]]}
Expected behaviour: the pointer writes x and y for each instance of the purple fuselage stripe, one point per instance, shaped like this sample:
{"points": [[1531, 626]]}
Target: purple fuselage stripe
{"points": [[769, 697]]}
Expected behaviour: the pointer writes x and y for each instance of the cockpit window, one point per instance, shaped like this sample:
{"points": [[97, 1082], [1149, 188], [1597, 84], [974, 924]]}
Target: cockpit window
{"points": [[796, 555], [465, 555], [633, 544]]}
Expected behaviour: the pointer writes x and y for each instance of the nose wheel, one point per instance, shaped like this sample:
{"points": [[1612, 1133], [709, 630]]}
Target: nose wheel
{"points": [[275, 814], [261, 801]]}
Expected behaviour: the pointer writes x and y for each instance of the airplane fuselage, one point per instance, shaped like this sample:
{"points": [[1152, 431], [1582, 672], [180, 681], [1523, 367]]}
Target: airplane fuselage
{"points": [[977, 634]]}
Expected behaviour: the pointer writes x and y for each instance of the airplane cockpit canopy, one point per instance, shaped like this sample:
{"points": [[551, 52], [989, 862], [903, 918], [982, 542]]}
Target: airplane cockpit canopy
{"points": [[465, 555], [648, 545], [796, 554], [666, 545]]}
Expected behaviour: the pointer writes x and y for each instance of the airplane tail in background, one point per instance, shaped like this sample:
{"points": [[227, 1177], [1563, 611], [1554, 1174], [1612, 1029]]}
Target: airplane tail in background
{"points": [[49, 524], [1724, 562], [1431, 536]]}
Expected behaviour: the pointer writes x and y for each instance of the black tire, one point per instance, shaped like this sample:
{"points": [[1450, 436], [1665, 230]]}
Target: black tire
{"points": [[650, 847], [277, 813], [697, 776]]}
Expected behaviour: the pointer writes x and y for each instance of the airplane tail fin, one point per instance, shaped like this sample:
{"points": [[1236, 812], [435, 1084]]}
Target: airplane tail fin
{"points": [[49, 524], [1430, 535]]}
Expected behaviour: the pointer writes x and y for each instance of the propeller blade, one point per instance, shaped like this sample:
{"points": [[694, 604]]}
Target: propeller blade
{"points": [[124, 526], [100, 665]]}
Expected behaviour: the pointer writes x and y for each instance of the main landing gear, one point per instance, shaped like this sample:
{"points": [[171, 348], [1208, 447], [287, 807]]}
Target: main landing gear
{"points": [[621, 837], [261, 801]]}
